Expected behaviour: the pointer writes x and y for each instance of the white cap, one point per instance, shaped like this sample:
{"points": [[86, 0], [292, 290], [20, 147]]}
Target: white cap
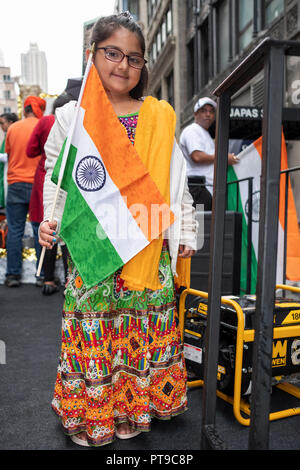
{"points": [[202, 102]]}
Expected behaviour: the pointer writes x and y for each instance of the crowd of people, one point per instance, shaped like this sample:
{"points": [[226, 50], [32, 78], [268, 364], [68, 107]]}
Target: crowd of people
{"points": [[22, 173]]}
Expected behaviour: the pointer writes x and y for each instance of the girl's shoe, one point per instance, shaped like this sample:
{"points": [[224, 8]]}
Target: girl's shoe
{"points": [[129, 435], [80, 442]]}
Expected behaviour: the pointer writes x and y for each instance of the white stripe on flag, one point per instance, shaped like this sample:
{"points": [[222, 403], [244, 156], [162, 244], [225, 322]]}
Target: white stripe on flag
{"points": [[107, 204], [250, 166]]}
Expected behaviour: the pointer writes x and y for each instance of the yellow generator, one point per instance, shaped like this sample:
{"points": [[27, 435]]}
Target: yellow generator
{"points": [[236, 347]]}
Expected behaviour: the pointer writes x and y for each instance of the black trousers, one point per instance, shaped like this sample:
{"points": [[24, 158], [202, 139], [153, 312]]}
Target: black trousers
{"points": [[49, 262], [199, 192]]}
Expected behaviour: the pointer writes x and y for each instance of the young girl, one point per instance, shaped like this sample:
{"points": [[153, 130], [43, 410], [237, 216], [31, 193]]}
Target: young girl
{"points": [[122, 360]]}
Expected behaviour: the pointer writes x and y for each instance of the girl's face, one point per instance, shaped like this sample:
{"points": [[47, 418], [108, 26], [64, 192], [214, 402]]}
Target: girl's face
{"points": [[118, 78]]}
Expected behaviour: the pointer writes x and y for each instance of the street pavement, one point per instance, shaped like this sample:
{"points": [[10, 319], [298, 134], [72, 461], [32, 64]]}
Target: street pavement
{"points": [[30, 341]]}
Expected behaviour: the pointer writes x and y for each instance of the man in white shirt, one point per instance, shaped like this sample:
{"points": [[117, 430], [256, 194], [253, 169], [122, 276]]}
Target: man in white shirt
{"points": [[198, 148]]}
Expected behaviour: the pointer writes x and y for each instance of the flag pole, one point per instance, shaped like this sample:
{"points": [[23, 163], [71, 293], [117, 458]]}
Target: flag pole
{"points": [[66, 149]]}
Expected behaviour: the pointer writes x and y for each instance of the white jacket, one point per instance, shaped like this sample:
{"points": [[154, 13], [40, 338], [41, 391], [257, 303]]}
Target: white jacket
{"points": [[184, 229]]}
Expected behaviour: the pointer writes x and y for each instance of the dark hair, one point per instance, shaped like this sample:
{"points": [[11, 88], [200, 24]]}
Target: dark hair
{"points": [[28, 109], [61, 100], [106, 26], [10, 117]]}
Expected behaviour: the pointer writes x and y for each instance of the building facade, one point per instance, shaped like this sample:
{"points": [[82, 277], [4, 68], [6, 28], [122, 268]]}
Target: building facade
{"points": [[87, 30], [8, 97], [34, 67], [221, 33], [193, 45]]}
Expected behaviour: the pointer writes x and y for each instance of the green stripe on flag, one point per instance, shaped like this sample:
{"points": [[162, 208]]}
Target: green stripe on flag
{"points": [[84, 236], [80, 231], [68, 168], [233, 206]]}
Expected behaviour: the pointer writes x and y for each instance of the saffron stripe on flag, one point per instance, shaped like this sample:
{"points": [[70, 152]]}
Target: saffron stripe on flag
{"points": [[128, 172]]}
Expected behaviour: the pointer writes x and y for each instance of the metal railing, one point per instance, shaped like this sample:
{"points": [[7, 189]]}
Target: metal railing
{"points": [[286, 203], [287, 173], [269, 56], [249, 225]]}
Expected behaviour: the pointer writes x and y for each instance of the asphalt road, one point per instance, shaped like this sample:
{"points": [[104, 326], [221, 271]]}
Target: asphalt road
{"points": [[30, 342]]}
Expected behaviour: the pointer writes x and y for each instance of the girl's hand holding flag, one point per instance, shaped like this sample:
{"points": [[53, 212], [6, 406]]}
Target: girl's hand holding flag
{"points": [[47, 234]]}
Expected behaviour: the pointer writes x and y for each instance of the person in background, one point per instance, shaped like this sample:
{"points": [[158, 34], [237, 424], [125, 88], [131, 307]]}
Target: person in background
{"points": [[35, 147], [20, 177], [6, 119], [198, 148]]}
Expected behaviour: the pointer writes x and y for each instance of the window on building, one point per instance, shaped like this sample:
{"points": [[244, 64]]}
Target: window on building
{"points": [[190, 12], [223, 34], [7, 109], [199, 4], [169, 20], [151, 8], [154, 51], [170, 88], [190, 70], [133, 7], [150, 58], [273, 8], [158, 41], [6, 78], [245, 23], [6, 94], [204, 66], [164, 30]]}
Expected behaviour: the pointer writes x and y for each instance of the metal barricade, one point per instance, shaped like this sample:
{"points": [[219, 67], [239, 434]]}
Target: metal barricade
{"points": [[269, 56]]}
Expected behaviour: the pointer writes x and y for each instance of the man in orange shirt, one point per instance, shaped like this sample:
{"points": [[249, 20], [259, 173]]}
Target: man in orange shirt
{"points": [[20, 177]]}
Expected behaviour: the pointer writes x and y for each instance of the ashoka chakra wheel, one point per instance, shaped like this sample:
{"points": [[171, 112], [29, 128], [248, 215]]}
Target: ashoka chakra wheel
{"points": [[90, 174]]}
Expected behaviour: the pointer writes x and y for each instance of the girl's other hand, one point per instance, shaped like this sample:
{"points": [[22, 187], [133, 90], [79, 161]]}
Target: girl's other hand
{"points": [[185, 251], [47, 233]]}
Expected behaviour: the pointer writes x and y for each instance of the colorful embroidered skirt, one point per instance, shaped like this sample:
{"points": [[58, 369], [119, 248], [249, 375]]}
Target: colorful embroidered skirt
{"points": [[121, 358]]}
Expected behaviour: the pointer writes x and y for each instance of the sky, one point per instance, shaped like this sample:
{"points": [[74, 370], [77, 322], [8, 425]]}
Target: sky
{"points": [[56, 26]]}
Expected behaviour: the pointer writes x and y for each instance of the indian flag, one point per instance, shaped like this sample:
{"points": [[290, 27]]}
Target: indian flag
{"points": [[250, 166], [108, 216]]}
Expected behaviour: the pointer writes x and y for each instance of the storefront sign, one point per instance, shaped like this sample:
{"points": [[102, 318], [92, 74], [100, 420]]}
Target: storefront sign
{"points": [[245, 112]]}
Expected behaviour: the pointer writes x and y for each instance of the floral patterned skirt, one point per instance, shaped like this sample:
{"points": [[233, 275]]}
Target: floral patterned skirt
{"points": [[121, 358]]}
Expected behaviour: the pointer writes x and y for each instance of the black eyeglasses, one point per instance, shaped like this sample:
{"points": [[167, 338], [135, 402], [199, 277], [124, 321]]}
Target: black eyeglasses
{"points": [[115, 55]]}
